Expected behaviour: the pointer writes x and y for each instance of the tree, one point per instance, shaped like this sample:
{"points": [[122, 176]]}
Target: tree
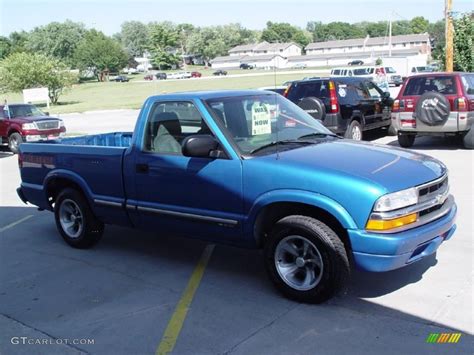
{"points": [[464, 43], [284, 32], [211, 42], [57, 39], [100, 54], [419, 24], [437, 37], [5, 47], [135, 37], [18, 41], [164, 38], [26, 70]]}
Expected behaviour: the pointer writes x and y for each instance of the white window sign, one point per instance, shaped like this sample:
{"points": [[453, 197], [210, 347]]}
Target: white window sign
{"points": [[36, 95], [261, 119]]}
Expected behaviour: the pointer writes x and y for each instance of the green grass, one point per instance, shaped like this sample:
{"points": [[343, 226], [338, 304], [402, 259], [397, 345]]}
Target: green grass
{"points": [[92, 96]]}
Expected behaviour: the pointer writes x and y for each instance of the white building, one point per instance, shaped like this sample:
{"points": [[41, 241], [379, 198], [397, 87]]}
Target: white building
{"points": [[267, 61], [284, 49], [419, 42]]}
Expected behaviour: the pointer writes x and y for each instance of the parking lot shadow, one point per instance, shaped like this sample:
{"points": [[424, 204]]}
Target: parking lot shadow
{"points": [[123, 291], [5, 152], [432, 142]]}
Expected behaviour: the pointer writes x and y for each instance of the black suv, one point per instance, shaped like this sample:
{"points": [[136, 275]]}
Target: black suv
{"points": [[346, 106]]}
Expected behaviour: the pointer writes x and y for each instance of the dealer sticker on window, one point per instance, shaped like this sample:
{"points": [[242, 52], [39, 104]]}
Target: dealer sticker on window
{"points": [[261, 119]]}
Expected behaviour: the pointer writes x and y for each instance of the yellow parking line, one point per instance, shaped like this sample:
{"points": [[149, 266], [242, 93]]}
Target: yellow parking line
{"points": [[11, 225], [177, 319]]}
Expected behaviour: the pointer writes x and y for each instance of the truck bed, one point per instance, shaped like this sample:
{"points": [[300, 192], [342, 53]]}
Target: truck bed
{"points": [[115, 139], [94, 162]]}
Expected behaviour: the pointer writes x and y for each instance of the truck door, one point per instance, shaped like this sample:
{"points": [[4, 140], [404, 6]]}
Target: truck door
{"points": [[196, 197]]}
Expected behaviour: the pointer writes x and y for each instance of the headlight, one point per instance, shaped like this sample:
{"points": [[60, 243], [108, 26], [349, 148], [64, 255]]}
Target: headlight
{"points": [[27, 126], [382, 220], [396, 200]]}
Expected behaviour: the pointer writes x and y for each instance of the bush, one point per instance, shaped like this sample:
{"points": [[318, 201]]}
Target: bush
{"points": [[21, 71]]}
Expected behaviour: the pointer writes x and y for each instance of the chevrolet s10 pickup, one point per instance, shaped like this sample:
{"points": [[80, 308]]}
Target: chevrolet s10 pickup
{"points": [[251, 169]]}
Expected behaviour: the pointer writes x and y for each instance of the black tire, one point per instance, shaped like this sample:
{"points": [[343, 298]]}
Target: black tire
{"points": [[406, 140], [335, 270], [91, 229], [392, 131], [468, 139], [14, 141], [314, 107], [433, 109], [354, 131]]}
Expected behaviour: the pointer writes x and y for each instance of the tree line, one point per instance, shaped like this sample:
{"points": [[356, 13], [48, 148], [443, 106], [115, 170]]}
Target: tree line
{"points": [[70, 45]]}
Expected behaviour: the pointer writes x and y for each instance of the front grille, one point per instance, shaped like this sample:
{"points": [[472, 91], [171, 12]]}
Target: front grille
{"points": [[44, 125], [433, 195], [430, 190]]}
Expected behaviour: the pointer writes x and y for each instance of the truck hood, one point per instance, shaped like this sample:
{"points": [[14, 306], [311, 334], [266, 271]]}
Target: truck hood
{"points": [[391, 168], [21, 120]]}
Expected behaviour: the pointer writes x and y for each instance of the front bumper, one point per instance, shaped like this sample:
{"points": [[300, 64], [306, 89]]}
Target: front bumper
{"points": [[383, 252]]}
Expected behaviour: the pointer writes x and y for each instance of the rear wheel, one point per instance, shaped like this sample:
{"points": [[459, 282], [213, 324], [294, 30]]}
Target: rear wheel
{"points": [[354, 131], [306, 260], [75, 221], [14, 141], [406, 140]]}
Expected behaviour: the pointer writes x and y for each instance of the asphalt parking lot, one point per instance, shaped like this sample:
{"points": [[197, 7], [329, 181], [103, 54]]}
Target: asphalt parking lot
{"points": [[122, 293]]}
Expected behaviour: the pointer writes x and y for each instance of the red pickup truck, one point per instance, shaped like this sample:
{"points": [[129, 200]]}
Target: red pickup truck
{"points": [[26, 123]]}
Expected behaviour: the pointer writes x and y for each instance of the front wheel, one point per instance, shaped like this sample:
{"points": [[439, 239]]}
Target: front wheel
{"points": [[406, 140], [306, 260], [14, 141], [354, 131], [468, 139], [75, 221]]}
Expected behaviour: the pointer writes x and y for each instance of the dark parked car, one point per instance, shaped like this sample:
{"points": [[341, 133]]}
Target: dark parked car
{"points": [[161, 76], [121, 79], [356, 62], [345, 105], [195, 74], [246, 66], [219, 72], [148, 77]]}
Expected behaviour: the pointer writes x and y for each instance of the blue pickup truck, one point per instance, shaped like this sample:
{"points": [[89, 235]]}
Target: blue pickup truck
{"points": [[251, 169]]}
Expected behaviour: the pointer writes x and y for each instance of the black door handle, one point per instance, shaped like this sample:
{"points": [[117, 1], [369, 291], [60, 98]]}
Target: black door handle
{"points": [[142, 168]]}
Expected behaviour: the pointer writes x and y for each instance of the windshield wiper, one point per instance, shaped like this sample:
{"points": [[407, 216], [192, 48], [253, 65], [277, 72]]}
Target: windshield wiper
{"points": [[319, 135], [274, 143]]}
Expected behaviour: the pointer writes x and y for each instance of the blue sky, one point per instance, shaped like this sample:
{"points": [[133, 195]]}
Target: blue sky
{"points": [[107, 15]]}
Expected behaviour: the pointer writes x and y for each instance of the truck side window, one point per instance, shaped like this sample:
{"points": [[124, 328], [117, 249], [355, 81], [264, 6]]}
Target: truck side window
{"points": [[169, 123]]}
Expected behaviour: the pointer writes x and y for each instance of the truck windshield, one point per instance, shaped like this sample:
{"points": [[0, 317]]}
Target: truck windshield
{"points": [[24, 111], [255, 122]]}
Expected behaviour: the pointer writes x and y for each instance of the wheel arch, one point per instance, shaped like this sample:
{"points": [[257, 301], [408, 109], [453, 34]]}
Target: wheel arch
{"points": [[58, 180], [271, 208]]}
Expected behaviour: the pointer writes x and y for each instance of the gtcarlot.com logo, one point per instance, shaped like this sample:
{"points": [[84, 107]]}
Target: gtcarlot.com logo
{"points": [[49, 341], [443, 338]]}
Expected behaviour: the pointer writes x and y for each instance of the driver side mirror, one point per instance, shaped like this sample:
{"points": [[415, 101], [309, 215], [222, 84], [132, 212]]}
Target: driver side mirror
{"points": [[201, 146], [386, 95], [46, 113]]}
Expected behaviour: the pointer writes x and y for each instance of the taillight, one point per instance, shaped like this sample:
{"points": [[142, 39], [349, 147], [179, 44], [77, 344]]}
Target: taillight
{"points": [[333, 98], [460, 104], [287, 90], [396, 106]]}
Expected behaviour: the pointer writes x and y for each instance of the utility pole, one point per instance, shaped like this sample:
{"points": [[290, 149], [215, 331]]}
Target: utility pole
{"points": [[390, 37], [449, 35]]}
